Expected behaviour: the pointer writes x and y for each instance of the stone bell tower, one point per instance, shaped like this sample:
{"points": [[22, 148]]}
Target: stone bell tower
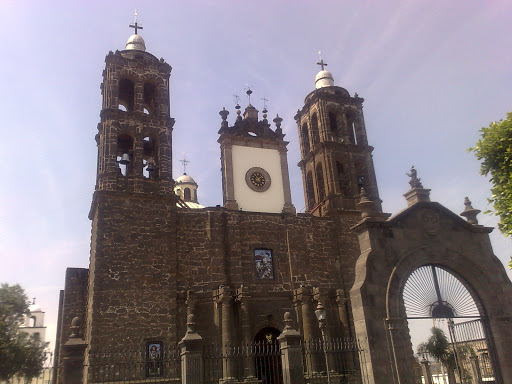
{"points": [[133, 213], [336, 160]]}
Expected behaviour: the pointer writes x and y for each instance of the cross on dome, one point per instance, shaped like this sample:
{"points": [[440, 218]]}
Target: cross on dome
{"points": [[184, 162], [135, 25]]}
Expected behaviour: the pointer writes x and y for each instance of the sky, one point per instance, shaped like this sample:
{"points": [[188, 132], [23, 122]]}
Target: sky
{"points": [[432, 73]]}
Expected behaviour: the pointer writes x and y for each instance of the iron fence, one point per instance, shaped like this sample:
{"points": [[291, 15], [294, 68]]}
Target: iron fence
{"points": [[336, 361]]}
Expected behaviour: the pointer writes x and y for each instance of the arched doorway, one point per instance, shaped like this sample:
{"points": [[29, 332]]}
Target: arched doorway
{"points": [[267, 356], [458, 320]]}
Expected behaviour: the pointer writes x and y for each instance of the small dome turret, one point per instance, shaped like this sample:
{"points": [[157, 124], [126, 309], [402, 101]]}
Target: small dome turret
{"points": [[324, 79], [136, 42]]}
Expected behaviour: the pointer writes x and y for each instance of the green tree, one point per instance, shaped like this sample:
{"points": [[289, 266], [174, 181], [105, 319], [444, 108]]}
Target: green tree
{"points": [[20, 354], [494, 150], [439, 348]]}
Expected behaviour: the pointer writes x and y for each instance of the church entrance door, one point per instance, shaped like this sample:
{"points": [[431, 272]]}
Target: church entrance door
{"points": [[267, 356]]}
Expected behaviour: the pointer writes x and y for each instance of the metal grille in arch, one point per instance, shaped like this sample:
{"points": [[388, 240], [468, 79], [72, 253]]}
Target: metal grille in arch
{"points": [[433, 292]]}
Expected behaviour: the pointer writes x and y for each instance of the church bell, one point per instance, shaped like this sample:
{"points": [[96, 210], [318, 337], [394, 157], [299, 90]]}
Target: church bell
{"points": [[125, 159]]}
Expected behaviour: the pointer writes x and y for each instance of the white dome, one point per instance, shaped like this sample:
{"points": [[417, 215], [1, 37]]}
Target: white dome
{"points": [[136, 42], [34, 308], [324, 79], [185, 179]]}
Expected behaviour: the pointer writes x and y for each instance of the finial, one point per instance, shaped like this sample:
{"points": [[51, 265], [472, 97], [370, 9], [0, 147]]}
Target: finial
{"points": [[191, 323], [248, 92], [184, 162], [265, 111], [469, 212], [33, 300], [135, 25], [224, 114], [278, 120], [414, 182], [75, 327], [321, 62], [288, 322]]}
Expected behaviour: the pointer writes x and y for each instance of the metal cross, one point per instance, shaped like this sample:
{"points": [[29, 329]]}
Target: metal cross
{"points": [[236, 99], [264, 102], [184, 162], [135, 25], [321, 62]]}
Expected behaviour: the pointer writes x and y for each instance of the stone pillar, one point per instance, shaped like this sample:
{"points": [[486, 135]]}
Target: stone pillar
{"points": [[73, 361], [425, 370], [475, 370], [401, 355], [291, 353], [225, 299], [304, 296], [191, 351], [243, 298]]}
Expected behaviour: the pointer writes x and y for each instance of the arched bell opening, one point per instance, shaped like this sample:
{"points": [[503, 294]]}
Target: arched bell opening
{"points": [[310, 191], [448, 326], [150, 99], [124, 156], [149, 157], [126, 96]]}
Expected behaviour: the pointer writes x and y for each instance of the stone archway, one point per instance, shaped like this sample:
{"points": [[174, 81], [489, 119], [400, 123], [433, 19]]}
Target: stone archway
{"points": [[390, 252], [267, 356]]}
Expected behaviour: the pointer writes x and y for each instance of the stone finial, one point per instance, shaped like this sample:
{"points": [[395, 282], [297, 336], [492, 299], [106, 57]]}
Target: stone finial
{"points": [[415, 182], [224, 114], [191, 323], [288, 322], [75, 327], [365, 205], [469, 212]]}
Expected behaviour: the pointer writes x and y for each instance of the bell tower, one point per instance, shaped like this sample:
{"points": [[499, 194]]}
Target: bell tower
{"points": [[134, 136], [336, 160], [133, 213]]}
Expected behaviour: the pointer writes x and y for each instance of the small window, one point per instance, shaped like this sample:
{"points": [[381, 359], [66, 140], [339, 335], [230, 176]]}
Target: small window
{"points": [[154, 359], [37, 336], [32, 321], [186, 194], [264, 264]]}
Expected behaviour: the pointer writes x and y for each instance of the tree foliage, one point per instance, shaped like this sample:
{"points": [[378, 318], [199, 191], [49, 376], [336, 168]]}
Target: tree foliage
{"points": [[20, 354], [494, 150], [438, 347]]}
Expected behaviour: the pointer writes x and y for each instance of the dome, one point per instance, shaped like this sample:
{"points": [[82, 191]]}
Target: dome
{"points": [[185, 179], [324, 79], [34, 308], [136, 42]]}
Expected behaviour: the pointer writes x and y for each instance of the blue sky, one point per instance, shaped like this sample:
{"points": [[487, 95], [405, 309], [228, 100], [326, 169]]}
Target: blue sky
{"points": [[432, 74]]}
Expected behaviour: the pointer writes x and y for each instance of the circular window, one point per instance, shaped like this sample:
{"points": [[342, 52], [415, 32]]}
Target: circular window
{"points": [[257, 179]]}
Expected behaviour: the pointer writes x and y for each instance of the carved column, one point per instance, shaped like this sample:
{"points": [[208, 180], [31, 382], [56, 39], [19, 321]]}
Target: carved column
{"points": [[225, 299], [243, 299], [304, 296], [291, 349], [191, 351]]}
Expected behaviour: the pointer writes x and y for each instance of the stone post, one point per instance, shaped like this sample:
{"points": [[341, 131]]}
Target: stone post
{"points": [[425, 370], [475, 370], [291, 353], [225, 299], [191, 352], [73, 360], [248, 370], [304, 296]]}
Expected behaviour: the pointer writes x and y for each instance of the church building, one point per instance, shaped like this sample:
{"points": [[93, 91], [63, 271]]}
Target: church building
{"points": [[162, 266]]}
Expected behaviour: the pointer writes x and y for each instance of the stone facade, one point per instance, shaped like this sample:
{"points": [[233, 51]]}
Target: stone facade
{"points": [[155, 263]]}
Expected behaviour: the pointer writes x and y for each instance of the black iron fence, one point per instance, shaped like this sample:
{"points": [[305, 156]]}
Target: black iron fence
{"points": [[337, 361]]}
